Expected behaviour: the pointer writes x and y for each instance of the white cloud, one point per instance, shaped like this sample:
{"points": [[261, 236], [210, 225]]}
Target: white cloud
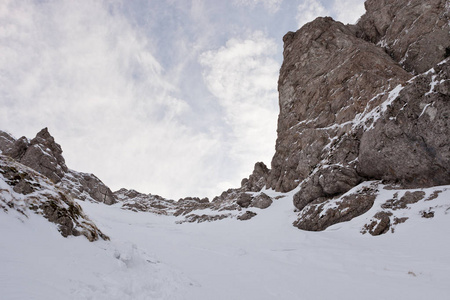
{"points": [[81, 69], [348, 11], [345, 11], [271, 6], [243, 77], [308, 10]]}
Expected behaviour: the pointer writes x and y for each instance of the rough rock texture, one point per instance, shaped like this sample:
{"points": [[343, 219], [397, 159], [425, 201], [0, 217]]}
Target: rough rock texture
{"points": [[324, 212], [352, 110], [246, 216], [261, 201], [398, 206], [86, 186], [328, 76], [415, 34], [194, 218], [198, 210], [379, 224], [135, 201], [44, 155], [402, 203], [410, 143], [257, 180], [27, 191], [6, 141]]}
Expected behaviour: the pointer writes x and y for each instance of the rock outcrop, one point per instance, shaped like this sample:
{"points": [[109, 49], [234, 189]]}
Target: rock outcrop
{"points": [[44, 155], [361, 102], [6, 141], [27, 192], [229, 204], [410, 143], [328, 77], [85, 186]]}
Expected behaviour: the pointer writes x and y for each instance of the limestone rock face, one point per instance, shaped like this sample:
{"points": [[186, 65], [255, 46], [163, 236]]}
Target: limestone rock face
{"points": [[328, 76], [363, 102], [416, 34], [411, 143]]}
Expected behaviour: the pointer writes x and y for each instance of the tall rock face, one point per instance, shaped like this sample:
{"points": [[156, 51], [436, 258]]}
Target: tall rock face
{"points": [[328, 76], [410, 144], [365, 101]]}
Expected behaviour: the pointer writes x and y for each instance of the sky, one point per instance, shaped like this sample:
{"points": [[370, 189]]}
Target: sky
{"points": [[176, 98]]}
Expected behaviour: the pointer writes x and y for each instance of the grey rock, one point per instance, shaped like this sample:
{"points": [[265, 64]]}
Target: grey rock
{"points": [[410, 143], [17, 149], [24, 187], [326, 182], [87, 186], [427, 214], [34, 193], [380, 224], [6, 141], [318, 215], [194, 218], [186, 205], [416, 34], [343, 118], [261, 201], [42, 154], [246, 216], [257, 180], [244, 200], [328, 76], [135, 201], [402, 203]]}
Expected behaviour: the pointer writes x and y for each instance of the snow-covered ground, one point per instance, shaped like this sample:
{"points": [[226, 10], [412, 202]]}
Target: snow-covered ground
{"points": [[151, 257]]}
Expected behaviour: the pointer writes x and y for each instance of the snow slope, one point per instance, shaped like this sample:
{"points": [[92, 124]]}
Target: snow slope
{"points": [[151, 257]]}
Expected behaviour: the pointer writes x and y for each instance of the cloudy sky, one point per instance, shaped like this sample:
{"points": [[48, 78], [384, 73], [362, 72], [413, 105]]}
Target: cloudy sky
{"points": [[177, 97]]}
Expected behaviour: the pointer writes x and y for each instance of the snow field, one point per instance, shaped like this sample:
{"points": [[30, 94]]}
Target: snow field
{"points": [[151, 257]]}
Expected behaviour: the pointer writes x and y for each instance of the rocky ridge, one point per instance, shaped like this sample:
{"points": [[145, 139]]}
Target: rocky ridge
{"points": [[362, 108], [232, 203], [25, 191], [44, 155]]}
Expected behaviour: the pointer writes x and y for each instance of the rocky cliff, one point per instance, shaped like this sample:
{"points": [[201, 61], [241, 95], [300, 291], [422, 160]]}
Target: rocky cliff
{"points": [[364, 102]]}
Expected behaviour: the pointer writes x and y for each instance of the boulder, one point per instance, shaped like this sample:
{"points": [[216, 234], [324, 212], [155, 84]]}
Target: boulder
{"points": [[246, 216], [261, 201]]}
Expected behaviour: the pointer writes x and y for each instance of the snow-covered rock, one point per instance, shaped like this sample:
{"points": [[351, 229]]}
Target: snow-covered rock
{"points": [[27, 192]]}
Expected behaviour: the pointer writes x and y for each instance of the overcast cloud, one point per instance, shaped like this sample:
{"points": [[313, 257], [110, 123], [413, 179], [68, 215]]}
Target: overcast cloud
{"points": [[177, 98]]}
